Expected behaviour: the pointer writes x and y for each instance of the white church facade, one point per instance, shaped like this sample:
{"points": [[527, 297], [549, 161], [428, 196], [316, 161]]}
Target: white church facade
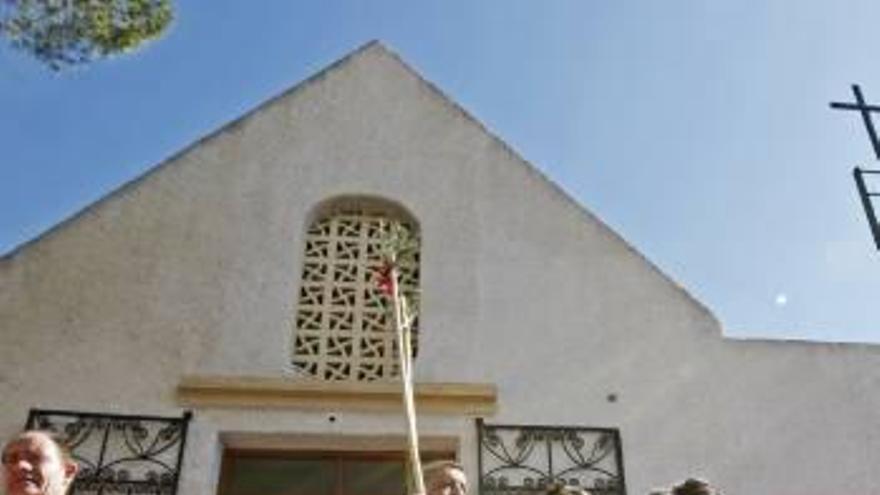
{"points": [[236, 281]]}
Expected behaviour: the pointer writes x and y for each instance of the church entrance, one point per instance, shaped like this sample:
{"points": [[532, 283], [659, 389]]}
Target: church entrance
{"points": [[249, 472]]}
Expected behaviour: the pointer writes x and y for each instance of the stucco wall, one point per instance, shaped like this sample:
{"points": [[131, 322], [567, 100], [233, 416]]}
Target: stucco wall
{"points": [[194, 268]]}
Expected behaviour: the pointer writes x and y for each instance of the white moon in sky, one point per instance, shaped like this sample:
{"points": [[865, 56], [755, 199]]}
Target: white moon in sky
{"points": [[781, 299]]}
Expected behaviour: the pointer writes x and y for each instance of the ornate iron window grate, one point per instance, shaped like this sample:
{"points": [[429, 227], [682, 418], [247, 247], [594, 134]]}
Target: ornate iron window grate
{"points": [[529, 459], [119, 454]]}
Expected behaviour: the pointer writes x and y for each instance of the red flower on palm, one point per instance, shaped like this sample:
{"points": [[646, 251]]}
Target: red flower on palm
{"points": [[385, 280]]}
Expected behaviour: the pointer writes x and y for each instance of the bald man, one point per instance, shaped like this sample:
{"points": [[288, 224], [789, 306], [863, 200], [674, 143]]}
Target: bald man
{"points": [[35, 463], [444, 478]]}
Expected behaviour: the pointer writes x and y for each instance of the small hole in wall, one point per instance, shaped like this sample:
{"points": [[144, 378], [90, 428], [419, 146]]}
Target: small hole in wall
{"points": [[331, 418], [611, 398]]}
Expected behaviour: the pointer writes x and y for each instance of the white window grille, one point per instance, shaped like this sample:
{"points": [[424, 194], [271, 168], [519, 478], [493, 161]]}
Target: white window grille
{"points": [[344, 328]]}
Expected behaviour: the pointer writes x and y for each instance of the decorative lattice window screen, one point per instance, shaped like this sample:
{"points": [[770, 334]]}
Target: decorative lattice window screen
{"points": [[344, 328]]}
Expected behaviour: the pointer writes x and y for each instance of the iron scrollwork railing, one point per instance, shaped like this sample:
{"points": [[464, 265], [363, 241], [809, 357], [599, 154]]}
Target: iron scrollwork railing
{"points": [[119, 454], [528, 460]]}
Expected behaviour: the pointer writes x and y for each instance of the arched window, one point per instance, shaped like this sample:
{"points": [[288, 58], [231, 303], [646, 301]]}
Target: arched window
{"points": [[344, 327]]}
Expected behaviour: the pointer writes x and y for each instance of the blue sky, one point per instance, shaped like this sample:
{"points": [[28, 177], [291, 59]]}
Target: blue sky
{"points": [[700, 131]]}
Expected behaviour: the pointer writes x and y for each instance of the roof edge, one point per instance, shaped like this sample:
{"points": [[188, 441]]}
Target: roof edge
{"points": [[370, 45], [754, 339]]}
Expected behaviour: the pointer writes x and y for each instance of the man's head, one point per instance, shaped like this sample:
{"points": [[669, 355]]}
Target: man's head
{"points": [[35, 463], [445, 478], [693, 486], [560, 489]]}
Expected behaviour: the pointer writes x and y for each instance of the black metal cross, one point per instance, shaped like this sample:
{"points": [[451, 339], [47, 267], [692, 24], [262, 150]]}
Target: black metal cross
{"points": [[865, 110], [867, 201]]}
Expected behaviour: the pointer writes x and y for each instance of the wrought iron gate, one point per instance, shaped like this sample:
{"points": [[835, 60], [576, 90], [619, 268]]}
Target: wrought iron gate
{"points": [[529, 459], [119, 454]]}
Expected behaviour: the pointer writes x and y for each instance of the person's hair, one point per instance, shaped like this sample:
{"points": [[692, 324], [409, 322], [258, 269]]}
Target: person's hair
{"points": [[434, 467], [562, 489], [693, 486], [59, 441]]}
